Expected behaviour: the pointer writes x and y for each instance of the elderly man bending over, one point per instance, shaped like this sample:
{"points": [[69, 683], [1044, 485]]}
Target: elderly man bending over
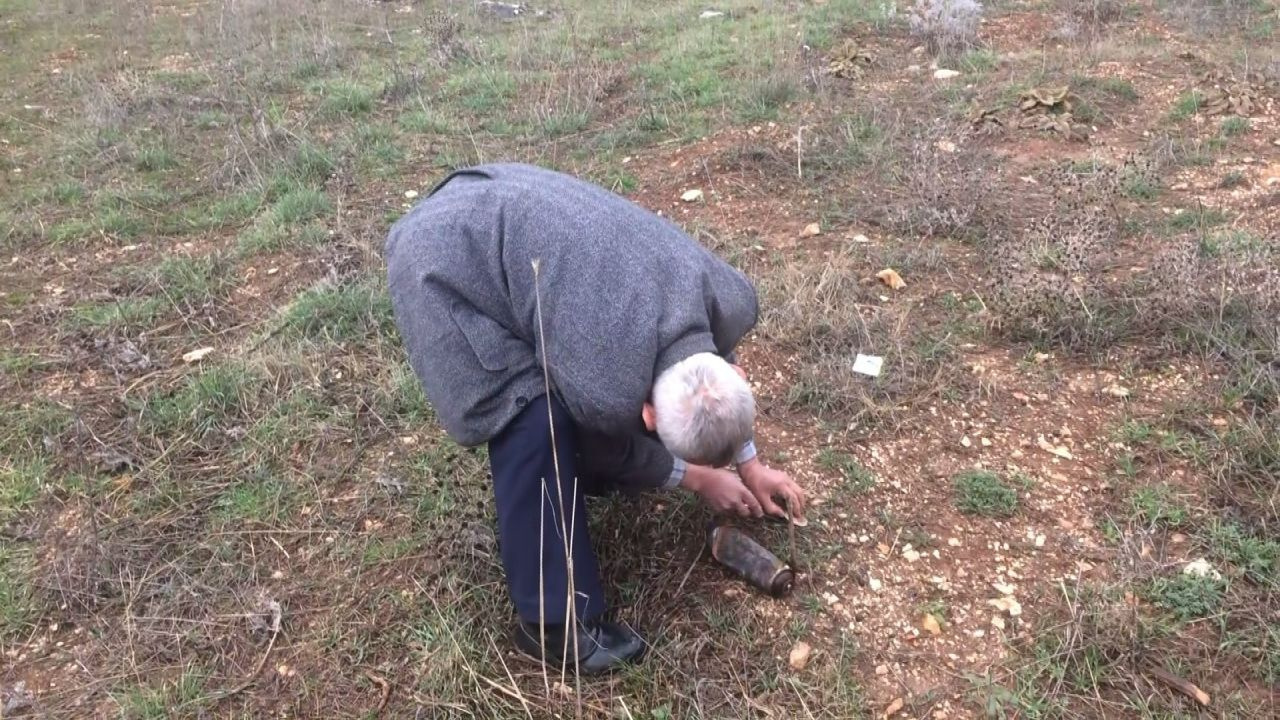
{"points": [[639, 324]]}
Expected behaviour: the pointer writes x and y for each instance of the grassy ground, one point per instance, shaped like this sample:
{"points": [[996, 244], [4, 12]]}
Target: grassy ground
{"points": [[1061, 489]]}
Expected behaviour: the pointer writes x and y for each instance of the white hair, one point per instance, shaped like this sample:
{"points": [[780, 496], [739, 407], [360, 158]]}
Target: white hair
{"points": [[703, 410]]}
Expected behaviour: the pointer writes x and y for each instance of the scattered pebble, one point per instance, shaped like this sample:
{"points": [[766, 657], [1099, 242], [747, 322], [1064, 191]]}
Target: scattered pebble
{"points": [[693, 195], [945, 74], [800, 655]]}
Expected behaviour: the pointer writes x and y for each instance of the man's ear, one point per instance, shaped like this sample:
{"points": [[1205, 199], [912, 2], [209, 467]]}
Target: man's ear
{"points": [[738, 369], [650, 417]]}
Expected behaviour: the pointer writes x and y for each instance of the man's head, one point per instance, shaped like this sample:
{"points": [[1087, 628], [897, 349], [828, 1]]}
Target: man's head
{"points": [[702, 409]]}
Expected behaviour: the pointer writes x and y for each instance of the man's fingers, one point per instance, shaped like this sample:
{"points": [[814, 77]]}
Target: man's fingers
{"points": [[753, 505], [770, 506]]}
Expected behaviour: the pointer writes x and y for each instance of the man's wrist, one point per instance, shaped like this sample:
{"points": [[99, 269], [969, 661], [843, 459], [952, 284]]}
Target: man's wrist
{"points": [[692, 480]]}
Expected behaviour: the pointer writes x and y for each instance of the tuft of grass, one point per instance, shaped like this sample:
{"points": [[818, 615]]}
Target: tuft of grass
{"points": [[339, 313], [193, 281], [1233, 126], [978, 61], [118, 314], [764, 100], [164, 699], [1187, 105], [67, 193], [211, 119], [379, 151], [983, 493], [1158, 506], [260, 497], [311, 164], [17, 606], [154, 158], [425, 122], [215, 397], [1199, 219], [347, 98], [855, 478], [1187, 596], [1257, 557], [299, 204], [20, 483], [69, 231]]}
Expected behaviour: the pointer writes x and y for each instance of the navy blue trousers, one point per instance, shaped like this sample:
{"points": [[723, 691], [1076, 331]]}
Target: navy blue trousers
{"points": [[521, 460]]}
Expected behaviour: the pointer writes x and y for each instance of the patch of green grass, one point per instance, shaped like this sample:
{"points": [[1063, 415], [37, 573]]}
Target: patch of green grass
{"points": [[20, 483], [311, 164], [855, 478], [1158, 506], [17, 607], [214, 397], [211, 119], [117, 314], [234, 208], [120, 224], [379, 151], [154, 158], [17, 364], [1119, 87], [1187, 596], [563, 122], [1233, 126], [1232, 243], [484, 89], [162, 700], [347, 98], [763, 100], [1136, 432], [1199, 219], [299, 204], [425, 122], [24, 428], [69, 231], [67, 193], [1256, 556], [977, 62], [1232, 180], [339, 313], [260, 497], [1187, 105], [180, 80], [403, 398], [984, 493], [193, 280]]}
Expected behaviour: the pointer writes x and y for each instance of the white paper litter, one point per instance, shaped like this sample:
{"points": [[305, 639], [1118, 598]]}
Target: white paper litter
{"points": [[868, 365]]}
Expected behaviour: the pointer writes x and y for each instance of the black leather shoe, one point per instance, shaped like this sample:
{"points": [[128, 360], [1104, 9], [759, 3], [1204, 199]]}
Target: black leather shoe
{"points": [[602, 646]]}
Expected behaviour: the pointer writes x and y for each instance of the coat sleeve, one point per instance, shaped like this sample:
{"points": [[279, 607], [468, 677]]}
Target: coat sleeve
{"points": [[732, 306]]}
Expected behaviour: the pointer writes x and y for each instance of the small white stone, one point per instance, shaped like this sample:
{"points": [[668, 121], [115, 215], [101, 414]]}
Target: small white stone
{"points": [[410, 194], [874, 584], [953, 542], [1040, 541], [945, 74]]}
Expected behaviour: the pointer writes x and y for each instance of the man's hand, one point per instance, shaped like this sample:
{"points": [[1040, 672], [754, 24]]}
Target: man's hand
{"points": [[722, 490], [766, 484]]}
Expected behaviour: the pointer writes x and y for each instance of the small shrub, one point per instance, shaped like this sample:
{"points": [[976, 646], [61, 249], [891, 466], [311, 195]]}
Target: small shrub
{"points": [[984, 493], [948, 26]]}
